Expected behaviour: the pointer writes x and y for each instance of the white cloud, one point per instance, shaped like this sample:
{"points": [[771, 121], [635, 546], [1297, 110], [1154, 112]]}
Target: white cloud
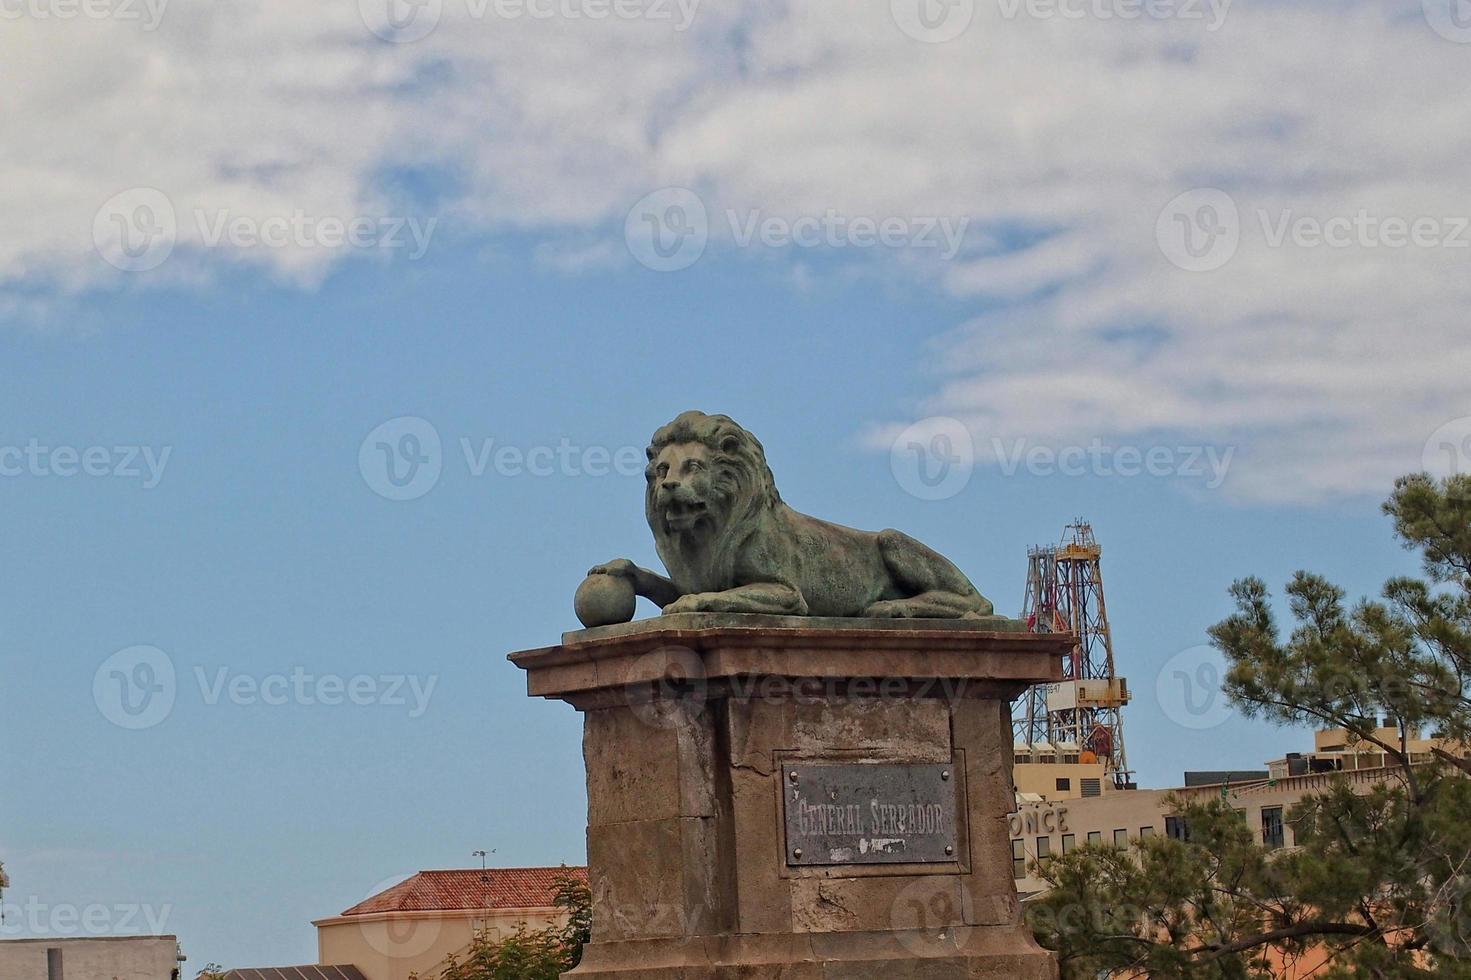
{"points": [[1060, 139]]}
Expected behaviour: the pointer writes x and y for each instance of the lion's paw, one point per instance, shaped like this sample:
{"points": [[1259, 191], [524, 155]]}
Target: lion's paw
{"points": [[685, 604], [618, 566]]}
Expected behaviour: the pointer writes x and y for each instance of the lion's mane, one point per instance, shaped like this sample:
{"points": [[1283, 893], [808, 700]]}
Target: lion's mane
{"points": [[743, 487]]}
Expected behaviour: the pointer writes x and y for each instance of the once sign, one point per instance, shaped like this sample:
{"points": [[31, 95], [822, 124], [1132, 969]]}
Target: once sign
{"points": [[1039, 821], [887, 813]]}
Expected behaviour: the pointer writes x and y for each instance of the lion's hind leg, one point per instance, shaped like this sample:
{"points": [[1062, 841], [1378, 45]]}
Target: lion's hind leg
{"points": [[927, 605], [930, 586]]}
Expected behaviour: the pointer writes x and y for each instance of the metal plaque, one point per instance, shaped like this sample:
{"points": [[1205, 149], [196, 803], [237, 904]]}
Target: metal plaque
{"points": [[883, 813]]}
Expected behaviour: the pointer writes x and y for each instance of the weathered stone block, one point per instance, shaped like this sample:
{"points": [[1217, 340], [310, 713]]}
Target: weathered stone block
{"points": [[691, 871]]}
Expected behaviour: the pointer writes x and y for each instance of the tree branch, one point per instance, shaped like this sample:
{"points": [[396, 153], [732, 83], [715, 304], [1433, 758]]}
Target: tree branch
{"points": [[1298, 931]]}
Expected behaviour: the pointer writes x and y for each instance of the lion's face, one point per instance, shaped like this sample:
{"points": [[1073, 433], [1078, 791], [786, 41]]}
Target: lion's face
{"points": [[708, 491], [685, 494]]}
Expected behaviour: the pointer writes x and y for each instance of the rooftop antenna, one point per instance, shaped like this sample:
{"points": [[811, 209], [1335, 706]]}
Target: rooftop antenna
{"points": [[484, 878]]}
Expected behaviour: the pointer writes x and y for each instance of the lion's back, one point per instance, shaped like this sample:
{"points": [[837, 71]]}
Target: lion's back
{"points": [[840, 570]]}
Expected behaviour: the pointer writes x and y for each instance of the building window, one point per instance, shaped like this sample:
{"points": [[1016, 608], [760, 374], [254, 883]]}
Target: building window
{"points": [[1044, 848], [1068, 842], [1018, 859], [1272, 835], [1146, 832], [1176, 828], [1120, 838], [53, 963], [1091, 787], [1095, 837], [1064, 785]]}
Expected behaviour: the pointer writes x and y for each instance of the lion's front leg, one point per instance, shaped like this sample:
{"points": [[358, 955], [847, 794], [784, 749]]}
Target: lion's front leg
{"points": [[772, 598], [651, 585]]}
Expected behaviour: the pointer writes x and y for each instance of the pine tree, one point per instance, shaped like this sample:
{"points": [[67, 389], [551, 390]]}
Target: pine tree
{"points": [[1379, 880]]}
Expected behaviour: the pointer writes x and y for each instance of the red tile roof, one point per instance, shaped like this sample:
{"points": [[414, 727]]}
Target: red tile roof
{"points": [[493, 888]]}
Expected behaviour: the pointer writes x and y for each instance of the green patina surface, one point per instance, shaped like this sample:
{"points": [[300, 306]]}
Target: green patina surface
{"points": [[731, 545]]}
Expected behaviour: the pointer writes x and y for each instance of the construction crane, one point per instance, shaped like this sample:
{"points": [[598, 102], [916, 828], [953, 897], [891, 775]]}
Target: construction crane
{"points": [[1083, 712]]}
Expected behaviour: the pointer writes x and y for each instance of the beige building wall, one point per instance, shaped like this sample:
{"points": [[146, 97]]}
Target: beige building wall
{"points": [[1340, 740], [1118, 818], [1338, 749], [1062, 780], [396, 945], [92, 958]]}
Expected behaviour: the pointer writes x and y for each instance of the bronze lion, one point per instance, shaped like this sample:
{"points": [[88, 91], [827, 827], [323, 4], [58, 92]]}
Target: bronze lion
{"points": [[731, 545]]}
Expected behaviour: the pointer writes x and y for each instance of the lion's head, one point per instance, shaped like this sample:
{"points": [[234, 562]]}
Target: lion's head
{"points": [[708, 489]]}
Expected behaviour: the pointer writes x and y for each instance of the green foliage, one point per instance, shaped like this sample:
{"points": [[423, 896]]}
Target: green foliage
{"points": [[1379, 879], [541, 954], [574, 898], [523, 955], [1159, 907]]}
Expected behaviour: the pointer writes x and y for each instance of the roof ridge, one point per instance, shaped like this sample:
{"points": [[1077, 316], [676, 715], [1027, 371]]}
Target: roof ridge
{"points": [[458, 889], [526, 867]]}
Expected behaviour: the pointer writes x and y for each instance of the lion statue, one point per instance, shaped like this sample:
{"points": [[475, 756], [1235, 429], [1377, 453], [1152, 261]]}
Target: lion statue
{"points": [[732, 546]]}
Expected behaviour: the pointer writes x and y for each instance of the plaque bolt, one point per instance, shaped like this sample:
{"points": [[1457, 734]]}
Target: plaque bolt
{"points": [[949, 850], [793, 777], [797, 854], [945, 774]]}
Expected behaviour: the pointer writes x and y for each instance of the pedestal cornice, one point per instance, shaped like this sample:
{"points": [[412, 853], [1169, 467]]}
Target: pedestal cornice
{"points": [[997, 656]]}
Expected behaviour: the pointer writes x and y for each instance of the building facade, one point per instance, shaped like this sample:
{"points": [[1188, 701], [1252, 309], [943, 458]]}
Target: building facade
{"points": [[1066, 804], [415, 927], [91, 958]]}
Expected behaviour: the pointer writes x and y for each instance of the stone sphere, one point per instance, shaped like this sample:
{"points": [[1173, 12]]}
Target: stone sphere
{"points": [[603, 600]]}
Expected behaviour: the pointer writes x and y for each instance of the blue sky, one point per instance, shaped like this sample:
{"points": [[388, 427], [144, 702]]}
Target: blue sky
{"points": [[262, 549], [1065, 153]]}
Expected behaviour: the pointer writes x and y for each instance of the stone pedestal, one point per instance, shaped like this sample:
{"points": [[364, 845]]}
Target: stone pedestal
{"points": [[713, 743]]}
